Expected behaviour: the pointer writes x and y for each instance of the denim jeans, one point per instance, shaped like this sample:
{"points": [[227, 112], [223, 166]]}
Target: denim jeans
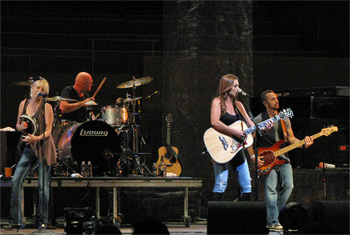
{"points": [[278, 187], [242, 172], [23, 169]]}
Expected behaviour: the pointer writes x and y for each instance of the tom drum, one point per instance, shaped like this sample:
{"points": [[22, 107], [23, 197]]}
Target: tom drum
{"points": [[114, 115]]}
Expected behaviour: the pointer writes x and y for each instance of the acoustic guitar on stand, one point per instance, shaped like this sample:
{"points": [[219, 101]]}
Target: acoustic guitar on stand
{"points": [[168, 153], [270, 154]]}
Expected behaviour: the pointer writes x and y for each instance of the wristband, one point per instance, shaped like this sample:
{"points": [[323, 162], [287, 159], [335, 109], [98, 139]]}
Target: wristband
{"points": [[253, 156]]}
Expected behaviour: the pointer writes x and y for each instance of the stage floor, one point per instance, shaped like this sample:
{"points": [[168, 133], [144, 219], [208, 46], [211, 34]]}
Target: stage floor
{"points": [[194, 229]]}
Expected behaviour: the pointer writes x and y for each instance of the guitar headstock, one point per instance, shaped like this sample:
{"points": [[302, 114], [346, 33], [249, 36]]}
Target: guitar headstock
{"points": [[285, 114], [329, 130], [169, 118]]}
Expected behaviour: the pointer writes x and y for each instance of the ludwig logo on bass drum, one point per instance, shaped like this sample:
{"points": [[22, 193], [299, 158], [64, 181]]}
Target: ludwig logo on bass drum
{"points": [[93, 133]]}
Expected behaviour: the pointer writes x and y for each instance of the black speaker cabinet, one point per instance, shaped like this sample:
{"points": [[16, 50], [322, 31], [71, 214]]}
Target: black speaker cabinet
{"points": [[236, 217], [328, 217]]}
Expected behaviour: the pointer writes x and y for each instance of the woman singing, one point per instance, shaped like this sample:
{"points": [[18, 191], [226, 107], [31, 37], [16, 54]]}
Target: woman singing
{"points": [[39, 148]]}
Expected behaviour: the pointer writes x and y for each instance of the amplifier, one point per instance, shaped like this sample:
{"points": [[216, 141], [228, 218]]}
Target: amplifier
{"points": [[315, 91]]}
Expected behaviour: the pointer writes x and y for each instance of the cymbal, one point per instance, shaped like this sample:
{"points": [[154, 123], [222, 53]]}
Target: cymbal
{"points": [[131, 99], [25, 83], [135, 82], [91, 102], [59, 98]]}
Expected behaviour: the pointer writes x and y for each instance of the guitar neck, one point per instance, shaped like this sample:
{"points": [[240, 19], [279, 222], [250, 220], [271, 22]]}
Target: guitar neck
{"points": [[261, 125], [295, 145], [168, 134]]}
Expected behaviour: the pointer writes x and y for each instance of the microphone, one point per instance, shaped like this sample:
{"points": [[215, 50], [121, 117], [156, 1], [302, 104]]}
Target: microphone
{"points": [[41, 94], [242, 92]]}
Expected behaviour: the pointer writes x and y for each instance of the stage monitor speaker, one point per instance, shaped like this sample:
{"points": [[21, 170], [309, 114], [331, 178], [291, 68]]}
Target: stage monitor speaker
{"points": [[236, 218], [328, 217]]}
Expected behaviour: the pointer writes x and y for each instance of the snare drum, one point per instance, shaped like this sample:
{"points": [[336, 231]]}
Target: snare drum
{"points": [[115, 115], [89, 141]]}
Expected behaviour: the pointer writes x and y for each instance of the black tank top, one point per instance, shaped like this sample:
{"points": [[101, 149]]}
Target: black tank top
{"points": [[228, 119]]}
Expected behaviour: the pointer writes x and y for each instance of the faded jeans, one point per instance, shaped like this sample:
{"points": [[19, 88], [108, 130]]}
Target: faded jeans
{"points": [[23, 169], [278, 187], [221, 172]]}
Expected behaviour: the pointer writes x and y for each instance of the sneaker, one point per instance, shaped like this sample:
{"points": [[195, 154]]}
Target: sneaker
{"points": [[275, 227]]}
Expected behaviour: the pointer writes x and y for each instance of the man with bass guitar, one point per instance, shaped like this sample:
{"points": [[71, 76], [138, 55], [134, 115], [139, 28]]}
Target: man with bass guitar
{"points": [[276, 195]]}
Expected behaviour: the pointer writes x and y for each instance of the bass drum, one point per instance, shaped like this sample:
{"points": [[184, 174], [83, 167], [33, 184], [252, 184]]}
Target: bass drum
{"points": [[90, 141]]}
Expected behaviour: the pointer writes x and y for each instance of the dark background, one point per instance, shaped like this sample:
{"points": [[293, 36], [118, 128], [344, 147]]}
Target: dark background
{"points": [[186, 46]]}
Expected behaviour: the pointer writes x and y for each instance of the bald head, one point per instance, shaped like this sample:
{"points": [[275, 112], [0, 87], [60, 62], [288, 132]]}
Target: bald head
{"points": [[83, 77], [83, 82]]}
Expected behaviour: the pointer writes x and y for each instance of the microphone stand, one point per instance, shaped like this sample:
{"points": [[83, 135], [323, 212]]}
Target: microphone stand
{"points": [[324, 177], [255, 146], [41, 230]]}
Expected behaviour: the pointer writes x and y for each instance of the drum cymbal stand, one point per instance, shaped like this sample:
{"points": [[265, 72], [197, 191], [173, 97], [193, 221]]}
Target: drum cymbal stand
{"points": [[57, 115], [135, 147], [136, 134]]}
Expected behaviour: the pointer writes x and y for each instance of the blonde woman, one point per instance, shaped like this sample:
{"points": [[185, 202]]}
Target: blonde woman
{"points": [[36, 150]]}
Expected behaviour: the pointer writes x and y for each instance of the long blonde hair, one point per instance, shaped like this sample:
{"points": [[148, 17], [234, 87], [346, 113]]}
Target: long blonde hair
{"points": [[224, 90]]}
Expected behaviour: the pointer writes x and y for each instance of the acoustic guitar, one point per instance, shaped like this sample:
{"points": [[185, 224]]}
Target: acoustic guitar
{"points": [[269, 155], [223, 148], [168, 153]]}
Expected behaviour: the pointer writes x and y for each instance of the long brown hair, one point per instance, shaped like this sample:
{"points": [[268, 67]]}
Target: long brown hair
{"points": [[224, 89]]}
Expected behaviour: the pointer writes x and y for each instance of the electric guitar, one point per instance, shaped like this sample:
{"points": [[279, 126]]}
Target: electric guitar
{"points": [[269, 155], [223, 148], [168, 153]]}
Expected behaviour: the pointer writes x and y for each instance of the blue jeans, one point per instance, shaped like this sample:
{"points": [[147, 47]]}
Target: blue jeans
{"points": [[23, 169], [242, 172], [278, 187]]}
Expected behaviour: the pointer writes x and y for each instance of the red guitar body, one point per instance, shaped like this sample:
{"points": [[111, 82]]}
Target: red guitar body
{"points": [[270, 160]]}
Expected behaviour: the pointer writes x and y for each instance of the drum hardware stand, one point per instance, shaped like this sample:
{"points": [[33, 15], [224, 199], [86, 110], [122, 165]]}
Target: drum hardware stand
{"points": [[133, 103], [135, 145], [57, 115], [108, 155], [68, 167], [136, 156]]}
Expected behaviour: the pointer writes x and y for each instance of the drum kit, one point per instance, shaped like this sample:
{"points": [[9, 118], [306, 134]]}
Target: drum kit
{"points": [[110, 140]]}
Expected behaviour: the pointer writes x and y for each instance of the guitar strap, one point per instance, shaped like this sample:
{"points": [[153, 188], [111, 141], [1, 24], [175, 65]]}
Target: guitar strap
{"points": [[170, 149], [240, 113], [284, 128]]}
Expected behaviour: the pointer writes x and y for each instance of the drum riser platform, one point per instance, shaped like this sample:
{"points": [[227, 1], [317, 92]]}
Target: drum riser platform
{"points": [[167, 203]]}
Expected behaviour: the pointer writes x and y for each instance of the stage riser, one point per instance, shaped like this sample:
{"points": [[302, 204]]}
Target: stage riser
{"points": [[167, 204]]}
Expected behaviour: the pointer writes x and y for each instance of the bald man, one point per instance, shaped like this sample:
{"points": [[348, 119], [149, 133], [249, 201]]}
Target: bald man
{"points": [[77, 111]]}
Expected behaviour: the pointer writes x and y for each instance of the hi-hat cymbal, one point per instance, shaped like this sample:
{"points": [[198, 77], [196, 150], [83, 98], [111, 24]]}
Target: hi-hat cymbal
{"points": [[59, 98], [135, 82], [131, 99]]}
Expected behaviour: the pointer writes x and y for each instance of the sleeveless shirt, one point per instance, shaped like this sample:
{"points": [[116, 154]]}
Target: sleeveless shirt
{"points": [[228, 119], [50, 149]]}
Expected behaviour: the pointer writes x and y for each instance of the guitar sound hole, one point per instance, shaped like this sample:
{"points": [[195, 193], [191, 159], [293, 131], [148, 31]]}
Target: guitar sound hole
{"points": [[170, 157]]}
